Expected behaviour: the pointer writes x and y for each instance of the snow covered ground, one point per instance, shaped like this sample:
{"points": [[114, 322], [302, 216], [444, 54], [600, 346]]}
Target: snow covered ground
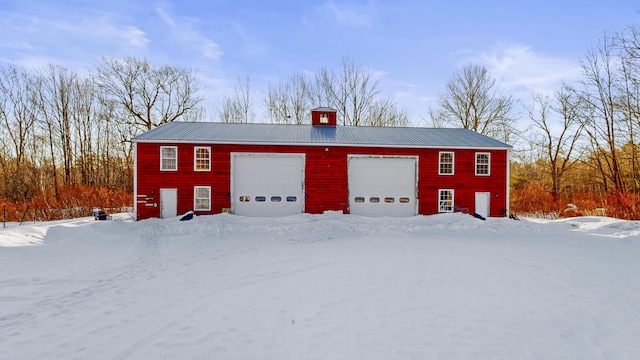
{"points": [[326, 286]]}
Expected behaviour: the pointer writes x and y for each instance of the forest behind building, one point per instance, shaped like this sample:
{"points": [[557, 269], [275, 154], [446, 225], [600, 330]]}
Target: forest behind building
{"points": [[65, 137]]}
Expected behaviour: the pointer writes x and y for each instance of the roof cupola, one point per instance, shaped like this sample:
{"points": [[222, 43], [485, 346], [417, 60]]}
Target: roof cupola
{"points": [[323, 116]]}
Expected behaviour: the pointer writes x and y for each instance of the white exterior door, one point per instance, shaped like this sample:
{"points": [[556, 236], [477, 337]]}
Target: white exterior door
{"points": [[482, 203], [267, 184], [382, 186], [168, 203]]}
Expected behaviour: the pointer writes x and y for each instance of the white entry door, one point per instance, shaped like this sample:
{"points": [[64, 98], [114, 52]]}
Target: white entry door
{"points": [[382, 186], [267, 184], [482, 203], [168, 203]]}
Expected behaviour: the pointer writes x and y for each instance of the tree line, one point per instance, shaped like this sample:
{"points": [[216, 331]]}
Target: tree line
{"points": [[63, 133], [582, 144], [65, 137], [352, 90]]}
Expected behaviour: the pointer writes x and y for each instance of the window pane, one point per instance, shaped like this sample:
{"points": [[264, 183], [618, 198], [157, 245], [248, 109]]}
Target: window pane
{"points": [[446, 163], [169, 153], [482, 164], [446, 201], [202, 204], [168, 158], [168, 164], [202, 159], [202, 198]]}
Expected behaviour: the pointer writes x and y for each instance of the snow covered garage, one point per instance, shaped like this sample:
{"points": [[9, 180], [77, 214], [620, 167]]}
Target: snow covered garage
{"points": [[278, 170]]}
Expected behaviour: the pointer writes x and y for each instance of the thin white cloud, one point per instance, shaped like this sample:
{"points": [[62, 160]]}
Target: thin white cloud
{"points": [[185, 31], [252, 45], [68, 39], [164, 15], [377, 74], [101, 28], [523, 70], [15, 44], [30, 62], [35, 29], [350, 15]]}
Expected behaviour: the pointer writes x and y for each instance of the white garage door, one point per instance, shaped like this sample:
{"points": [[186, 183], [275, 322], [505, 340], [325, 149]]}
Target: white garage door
{"points": [[267, 184], [382, 186]]}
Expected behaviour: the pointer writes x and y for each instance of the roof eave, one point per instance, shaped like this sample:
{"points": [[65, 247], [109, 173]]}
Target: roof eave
{"points": [[279, 143]]}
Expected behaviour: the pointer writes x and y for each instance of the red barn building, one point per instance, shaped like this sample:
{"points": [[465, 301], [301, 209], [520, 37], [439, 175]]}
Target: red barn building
{"points": [[274, 170]]}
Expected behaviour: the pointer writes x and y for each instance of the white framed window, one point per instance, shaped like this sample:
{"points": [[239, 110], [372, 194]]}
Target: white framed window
{"points": [[168, 158], [445, 163], [324, 118], [445, 200], [202, 198], [201, 158], [483, 164]]}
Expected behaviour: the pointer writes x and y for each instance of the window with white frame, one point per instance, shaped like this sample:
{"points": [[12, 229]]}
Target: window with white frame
{"points": [[202, 158], [445, 200], [445, 164], [169, 158], [483, 164], [202, 198]]}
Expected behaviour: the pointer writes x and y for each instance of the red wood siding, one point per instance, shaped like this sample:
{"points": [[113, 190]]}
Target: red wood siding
{"points": [[325, 176]]}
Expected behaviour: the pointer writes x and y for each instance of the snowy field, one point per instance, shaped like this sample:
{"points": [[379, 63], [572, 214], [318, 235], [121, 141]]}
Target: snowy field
{"points": [[321, 287]]}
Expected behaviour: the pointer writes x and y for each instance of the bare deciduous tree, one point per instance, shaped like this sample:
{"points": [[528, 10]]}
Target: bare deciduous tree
{"points": [[291, 101], [238, 108], [353, 91], [599, 94], [630, 97], [560, 128], [386, 113], [473, 100], [55, 96], [84, 113], [150, 96], [18, 115]]}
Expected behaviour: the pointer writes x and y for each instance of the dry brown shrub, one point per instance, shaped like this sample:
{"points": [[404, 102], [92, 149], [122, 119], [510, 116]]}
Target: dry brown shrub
{"points": [[72, 201], [534, 200]]}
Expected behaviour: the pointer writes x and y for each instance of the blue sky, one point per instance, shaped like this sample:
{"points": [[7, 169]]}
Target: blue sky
{"points": [[413, 46]]}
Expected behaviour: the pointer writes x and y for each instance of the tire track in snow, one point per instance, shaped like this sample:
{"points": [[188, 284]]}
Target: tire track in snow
{"points": [[175, 321]]}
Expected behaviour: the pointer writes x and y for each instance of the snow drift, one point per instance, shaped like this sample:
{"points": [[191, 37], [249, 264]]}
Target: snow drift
{"points": [[321, 287]]}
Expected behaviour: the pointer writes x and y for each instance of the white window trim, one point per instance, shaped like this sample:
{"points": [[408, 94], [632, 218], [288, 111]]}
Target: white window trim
{"points": [[162, 158], [488, 164], [195, 198], [195, 158], [453, 162], [452, 200]]}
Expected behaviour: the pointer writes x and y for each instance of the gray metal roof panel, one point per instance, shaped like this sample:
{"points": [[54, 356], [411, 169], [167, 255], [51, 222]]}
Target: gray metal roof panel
{"points": [[210, 132]]}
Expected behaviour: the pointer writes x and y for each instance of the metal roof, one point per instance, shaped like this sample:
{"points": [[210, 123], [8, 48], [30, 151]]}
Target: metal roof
{"points": [[258, 133]]}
